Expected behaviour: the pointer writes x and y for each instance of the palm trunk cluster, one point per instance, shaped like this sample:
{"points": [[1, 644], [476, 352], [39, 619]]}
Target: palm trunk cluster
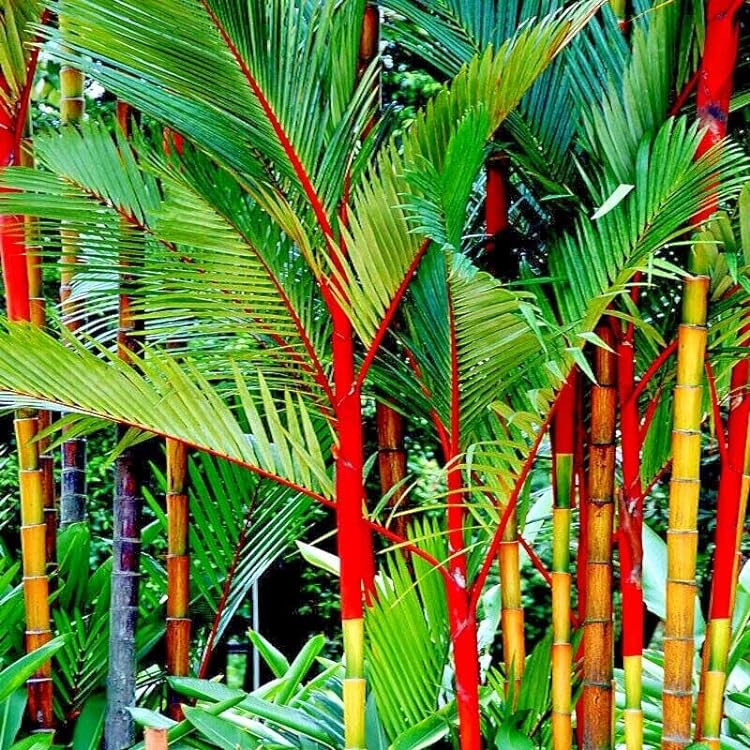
{"points": [[584, 478]]}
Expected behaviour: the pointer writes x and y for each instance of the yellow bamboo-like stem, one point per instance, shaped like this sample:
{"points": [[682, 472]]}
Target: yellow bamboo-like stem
{"points": [[597, 627], [682, 533], [354, 683], [39, 318], [34, 566], [71, 114], [178, 571], [633, 715], [512, 615]]}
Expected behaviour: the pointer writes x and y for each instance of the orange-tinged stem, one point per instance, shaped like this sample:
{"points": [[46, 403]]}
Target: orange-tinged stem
{"points": [[682, 534], [597, 628], [178, 571], [34, 537], [714, 90], [392, 461]]}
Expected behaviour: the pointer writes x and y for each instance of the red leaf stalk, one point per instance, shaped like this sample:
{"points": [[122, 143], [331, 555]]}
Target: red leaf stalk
{"points": [[461, 608], [630, 539], [462, 617], [496, 207]]}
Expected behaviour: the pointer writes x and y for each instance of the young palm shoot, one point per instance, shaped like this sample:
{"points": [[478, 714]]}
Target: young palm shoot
{"points": [[563, 447]]}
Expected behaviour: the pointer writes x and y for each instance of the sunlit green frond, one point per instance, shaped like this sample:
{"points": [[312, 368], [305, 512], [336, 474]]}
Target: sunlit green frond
{"points": [[208, 265], [634, 103], [381, 243], [408, 643], [258, 100], [158, 395], [16, 35], [595, 261], [467, 334], [448, 33]]}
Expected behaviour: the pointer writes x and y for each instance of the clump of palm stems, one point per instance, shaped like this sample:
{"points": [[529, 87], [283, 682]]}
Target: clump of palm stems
{"points": [[266, 250]]}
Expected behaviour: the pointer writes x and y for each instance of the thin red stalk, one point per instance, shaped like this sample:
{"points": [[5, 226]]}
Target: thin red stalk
{"points": [[648, 417], [315, 366], [656, 479], [476, 589], [716, 408], [730, 490], [231, 572], [715, 82], [315, 370], [462, 618], [684, 95], [24, 101], [535, 560], [630, 531], [13, 248], [289, 150], [653, 368], [372, 350], [461, 613], [437, 422]]}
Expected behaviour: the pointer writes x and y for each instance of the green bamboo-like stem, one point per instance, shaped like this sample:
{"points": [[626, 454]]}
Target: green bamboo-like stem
{"points": [[682, 532], [511, 614], [178, 571], [563, 446], [73, 472], [597, 627], [731, 509]]}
